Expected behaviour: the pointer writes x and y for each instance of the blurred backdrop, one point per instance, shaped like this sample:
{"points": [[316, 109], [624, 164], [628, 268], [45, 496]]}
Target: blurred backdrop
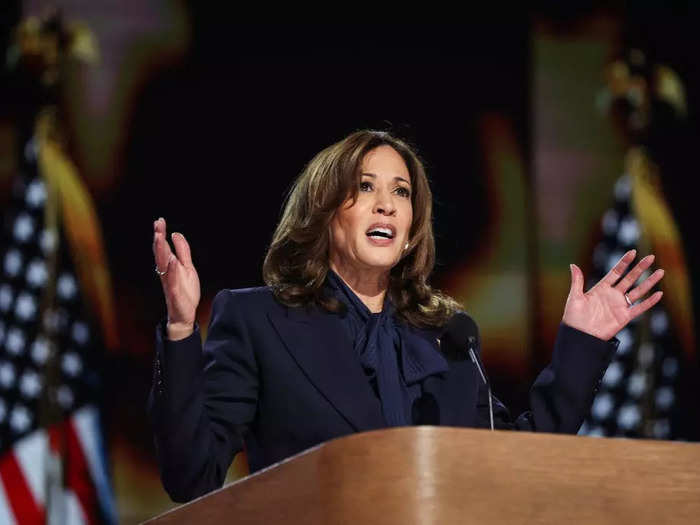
{"points": [[552, 136]]}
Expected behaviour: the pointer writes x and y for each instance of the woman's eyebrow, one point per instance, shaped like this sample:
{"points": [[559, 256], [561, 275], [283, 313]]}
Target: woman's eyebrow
{"points": [[395, 178]]}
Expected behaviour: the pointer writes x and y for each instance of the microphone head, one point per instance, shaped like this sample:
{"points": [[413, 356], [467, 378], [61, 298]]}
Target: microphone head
{"points": [[459, 331]]}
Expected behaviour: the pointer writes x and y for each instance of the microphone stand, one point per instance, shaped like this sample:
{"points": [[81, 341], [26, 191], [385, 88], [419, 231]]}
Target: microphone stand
{"points": [[472, 355]]}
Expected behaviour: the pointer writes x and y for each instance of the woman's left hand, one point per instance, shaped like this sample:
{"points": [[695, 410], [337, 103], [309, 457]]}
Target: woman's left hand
{"points": [[603, 310]]}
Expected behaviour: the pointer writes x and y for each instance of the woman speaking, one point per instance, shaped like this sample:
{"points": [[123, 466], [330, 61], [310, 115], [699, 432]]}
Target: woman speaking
{"points": [[348, 335]]}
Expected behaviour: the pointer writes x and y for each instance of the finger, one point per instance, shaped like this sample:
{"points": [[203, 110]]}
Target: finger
{"points": [[158, 228], [647, 303], [159, 225], [162, 252], [628, 280], [576, 280], [640, 291], [619, 269], [182, 249]]}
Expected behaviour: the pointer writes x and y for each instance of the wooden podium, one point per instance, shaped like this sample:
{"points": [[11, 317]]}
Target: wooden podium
{"points": [[439, 475]]}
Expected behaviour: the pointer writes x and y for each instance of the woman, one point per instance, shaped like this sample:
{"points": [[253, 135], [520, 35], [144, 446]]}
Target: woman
{"points": [[345, 337]]}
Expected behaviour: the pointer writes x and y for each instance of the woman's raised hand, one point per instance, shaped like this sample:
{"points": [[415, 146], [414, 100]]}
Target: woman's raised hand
{"points": [[603, 310], [179, 279]]}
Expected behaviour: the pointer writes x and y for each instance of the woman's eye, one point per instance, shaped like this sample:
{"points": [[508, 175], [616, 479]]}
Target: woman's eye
{"points": [[404, 192], [365, 186]]}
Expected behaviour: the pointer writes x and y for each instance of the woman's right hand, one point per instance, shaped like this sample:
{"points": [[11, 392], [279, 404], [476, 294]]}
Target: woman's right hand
{"points": [[179, 280]]}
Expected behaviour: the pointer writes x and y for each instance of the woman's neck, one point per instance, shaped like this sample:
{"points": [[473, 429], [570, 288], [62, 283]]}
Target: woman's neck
{"points": [[369, 286]]}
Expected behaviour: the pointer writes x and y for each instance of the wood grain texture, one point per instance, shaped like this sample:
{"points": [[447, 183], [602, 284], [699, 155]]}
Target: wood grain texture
{"points": [[427, 475]]}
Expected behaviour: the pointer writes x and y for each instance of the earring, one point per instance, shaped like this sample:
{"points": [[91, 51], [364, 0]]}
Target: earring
{"points": [[405, 246]]}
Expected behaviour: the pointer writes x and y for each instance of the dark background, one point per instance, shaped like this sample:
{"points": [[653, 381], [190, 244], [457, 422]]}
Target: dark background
{"points": [[215, 139]]}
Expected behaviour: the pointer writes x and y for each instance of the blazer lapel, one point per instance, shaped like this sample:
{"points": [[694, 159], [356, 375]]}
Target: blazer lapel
{"points": [[316, 340]]}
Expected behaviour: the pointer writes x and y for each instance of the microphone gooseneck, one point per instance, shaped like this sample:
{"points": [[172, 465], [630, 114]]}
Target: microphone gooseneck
{"points": [[472, 354], [462, 332]]}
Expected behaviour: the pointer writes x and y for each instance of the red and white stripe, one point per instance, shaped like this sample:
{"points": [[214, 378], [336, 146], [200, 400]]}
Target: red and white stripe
{"points": [[74, 446]]}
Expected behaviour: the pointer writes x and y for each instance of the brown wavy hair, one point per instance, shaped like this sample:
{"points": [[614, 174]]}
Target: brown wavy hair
{"points": [[297, 261]]}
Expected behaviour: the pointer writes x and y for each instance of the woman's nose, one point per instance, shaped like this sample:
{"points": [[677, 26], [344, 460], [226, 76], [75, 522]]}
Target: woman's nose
{"points": [[384, 204]]}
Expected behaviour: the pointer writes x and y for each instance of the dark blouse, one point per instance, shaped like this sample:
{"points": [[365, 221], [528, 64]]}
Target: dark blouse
{"points": [[395, 360]]}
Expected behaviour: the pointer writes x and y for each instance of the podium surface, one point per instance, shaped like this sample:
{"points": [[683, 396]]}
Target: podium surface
{"points": [[443, 475]]}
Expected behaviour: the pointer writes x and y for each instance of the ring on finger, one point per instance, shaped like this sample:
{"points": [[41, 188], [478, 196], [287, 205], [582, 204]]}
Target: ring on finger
{"points": [[629, 302], [161, 274]]}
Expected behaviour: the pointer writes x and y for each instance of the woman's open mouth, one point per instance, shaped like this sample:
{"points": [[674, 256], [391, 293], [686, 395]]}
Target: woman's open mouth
{"points": [[381, 234]]}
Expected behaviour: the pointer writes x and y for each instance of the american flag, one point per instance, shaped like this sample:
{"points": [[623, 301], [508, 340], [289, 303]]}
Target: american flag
{"points": [[53, 467], [638, 393]]}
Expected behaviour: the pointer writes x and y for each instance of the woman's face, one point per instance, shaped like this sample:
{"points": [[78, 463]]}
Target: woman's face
{"points": [[371, 233]]}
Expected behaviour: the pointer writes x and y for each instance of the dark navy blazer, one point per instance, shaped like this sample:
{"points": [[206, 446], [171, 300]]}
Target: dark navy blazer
{"points": [[277, 380]]}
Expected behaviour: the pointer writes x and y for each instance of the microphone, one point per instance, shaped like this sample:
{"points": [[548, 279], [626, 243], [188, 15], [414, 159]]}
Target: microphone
{"points": [[462, 332]]}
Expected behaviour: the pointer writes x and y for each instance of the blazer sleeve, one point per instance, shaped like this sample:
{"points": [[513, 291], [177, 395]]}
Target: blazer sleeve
{"points": [[202, 401], [563, 392]]}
